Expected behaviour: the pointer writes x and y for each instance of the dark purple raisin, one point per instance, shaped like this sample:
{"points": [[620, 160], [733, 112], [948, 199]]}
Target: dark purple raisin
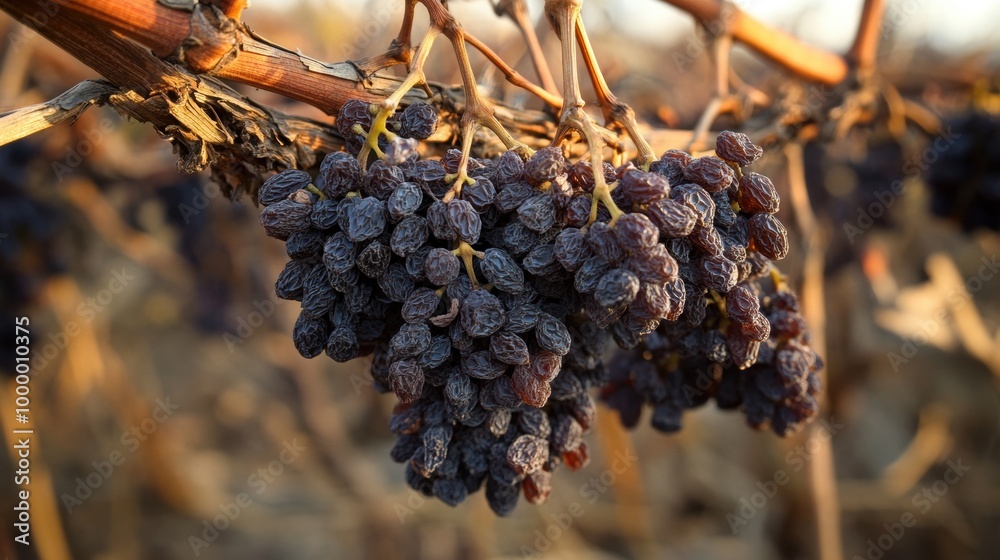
{"points": [[482, 314], [635, 231], [464, 220], [617, 287], [502, 271], [285, 217], [339, 174], [279, 186], [769, 236], [737, 148], [757, 194], [674, 219], [642, 187], [441, 267], [710, 172], [545, 165]]}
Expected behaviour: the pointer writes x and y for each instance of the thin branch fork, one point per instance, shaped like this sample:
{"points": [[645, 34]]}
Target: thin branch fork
{"points": [[401, 51], [805, 61], [865, 47], [517, 11], [552, 99]]}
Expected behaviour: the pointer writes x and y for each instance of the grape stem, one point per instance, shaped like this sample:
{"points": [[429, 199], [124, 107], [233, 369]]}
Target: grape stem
{"points": [[722, 101], [780, 285], [388, 105], [313, 189], [399, 52], [551, 99], [465, 252], [478, 112], [400, 49], [564, 15], [866, 41], [517, 11], [616, 114]]}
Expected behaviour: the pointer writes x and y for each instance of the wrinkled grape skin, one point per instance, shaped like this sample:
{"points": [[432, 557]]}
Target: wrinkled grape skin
{"points": [[374, 259], [285, 217], [737, 148], [482, 314], [552, 335], [571, 249], [509, 348], [698, 199], [381, 180], [280, 185], [717, 273], [757, 194], [502, 271], [310, 336], [742, 304], [339, 174], [441, 267], [712, 173], [641, 187], [409, 235], [464, 220], [407, 380], [538, 213], [770, 238], [674, 219], [366, 220], [342, 346], [635, 232], [545, 165], [617, 287], [404, 201], [418, 121]]}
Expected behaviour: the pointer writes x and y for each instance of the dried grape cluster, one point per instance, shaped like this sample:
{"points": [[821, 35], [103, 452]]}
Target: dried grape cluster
{"points": [[488, 306], [723, 322], [505, 444], [33, 244], [773, 381], [965, 174]]}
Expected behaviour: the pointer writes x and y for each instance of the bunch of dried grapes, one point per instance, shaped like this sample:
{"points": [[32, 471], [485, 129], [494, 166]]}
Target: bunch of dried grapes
{"points": [[706, 317], [33, 247], [680, 367], [965, 173], [489, 308]]}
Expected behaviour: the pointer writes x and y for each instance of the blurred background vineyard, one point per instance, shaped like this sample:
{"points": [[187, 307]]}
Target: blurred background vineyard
{"points": [[148, 289]]}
